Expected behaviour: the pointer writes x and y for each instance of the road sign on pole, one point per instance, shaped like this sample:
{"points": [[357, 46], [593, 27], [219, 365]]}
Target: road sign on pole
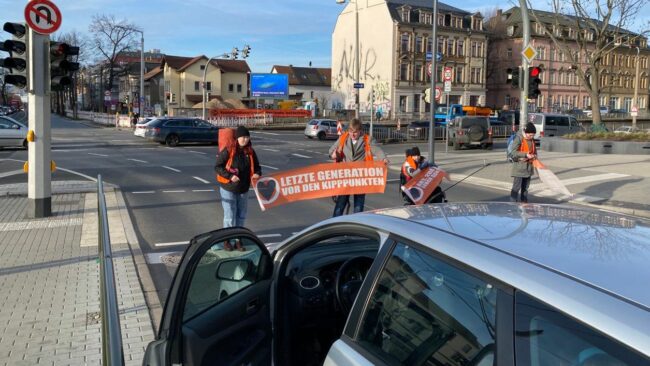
{"points": [[43, 16], [447, 86], [529, 53], [429, 68], [634, 112], [447, 74], [358, 85], [438, 93]]}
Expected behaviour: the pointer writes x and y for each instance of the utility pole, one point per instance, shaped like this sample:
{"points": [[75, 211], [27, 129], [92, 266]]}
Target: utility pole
{"points": [[358, 67], [635, 103], [434, 73], [525, 26], [142, 98], [39, 180]]}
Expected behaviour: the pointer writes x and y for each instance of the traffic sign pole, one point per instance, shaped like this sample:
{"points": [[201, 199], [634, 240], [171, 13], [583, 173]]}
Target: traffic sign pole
{"points": [[434, 50]]}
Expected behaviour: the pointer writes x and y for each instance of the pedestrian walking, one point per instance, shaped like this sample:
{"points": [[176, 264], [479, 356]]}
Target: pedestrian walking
{"points": [[235, 167], [522, 151], [354, 145]]}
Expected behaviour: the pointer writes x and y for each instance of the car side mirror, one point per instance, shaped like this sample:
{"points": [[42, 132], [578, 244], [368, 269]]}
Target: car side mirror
{"points": [[233, 269], [16, 127]]}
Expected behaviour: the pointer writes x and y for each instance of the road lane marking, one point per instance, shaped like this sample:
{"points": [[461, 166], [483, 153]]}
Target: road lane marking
{"points": [[13, 172], [143, 192], [203, 190], [580, 180], [272, 150], [171, 244], [302, 156], [197, 152], [201, 180], [175, 191], [172, 169], [392, 180], [77, 173], [138, 161], [98, 154], [269, 236], [267, 133], [266, 166]]}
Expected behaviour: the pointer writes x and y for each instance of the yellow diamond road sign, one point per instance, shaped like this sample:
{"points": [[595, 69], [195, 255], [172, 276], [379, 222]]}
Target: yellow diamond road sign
{"points": [[529, 53]]}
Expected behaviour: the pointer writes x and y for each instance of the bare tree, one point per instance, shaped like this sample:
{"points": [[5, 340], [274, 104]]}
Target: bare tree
{"points": [[111, 37], [69, 95], [600, 28], [496, 28]]}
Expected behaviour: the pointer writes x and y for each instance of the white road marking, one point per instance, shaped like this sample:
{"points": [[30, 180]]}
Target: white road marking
{"points": [[302, 156], [171, 244], [176, 191], [143, 192], [266, 166], [98, 154], [267, 133], [172, 169], [197, 152], [77, 173], [267, 149], [593, 178], [269, 235], [392, 180], [13, 172], [139, 161], [201, 180], [203, 190]]}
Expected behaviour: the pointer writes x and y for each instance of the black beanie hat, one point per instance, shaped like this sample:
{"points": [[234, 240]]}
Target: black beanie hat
{"points": [[408, 152], [530, 128], [415, 151], [242, 131]]}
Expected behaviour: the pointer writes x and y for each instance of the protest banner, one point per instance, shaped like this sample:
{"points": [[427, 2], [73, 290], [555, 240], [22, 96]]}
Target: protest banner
{"points": [[422, 185], [320, 180], [550, 180]]}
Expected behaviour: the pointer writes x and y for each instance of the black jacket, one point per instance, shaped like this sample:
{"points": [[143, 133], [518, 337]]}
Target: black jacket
{"points": [[240, 167]]}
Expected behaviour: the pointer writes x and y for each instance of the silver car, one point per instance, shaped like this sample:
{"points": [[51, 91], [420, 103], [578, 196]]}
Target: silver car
{"points": [[322, 129], [450, 284], [12, 133], [549, 124]]}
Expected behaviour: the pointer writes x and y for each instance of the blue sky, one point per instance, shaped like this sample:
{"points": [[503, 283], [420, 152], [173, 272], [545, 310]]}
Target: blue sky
{"points": [[278, 31]]}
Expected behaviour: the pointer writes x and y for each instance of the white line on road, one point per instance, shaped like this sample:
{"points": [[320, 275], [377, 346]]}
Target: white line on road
{"points": [[143, 192], [269, 235], [203, 190], [266, 166], [172, 169], [201, 180], [139, 161], [302, 156], [392, 180], [79, 174], [268, 133], [171, 244], [176, 191], [98, 154], [272, 150], [197, 152], [13, 172]]}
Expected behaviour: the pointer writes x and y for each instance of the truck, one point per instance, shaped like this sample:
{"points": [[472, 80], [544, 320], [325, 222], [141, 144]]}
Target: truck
{"points": [[443, 114]]}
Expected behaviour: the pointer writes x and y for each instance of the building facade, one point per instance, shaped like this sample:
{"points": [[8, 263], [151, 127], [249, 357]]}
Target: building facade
{"points": [[309, 84], [561, 89], [394, 38]]}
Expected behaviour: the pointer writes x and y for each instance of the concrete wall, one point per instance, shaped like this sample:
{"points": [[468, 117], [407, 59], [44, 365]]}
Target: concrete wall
{"points": [[595, 147]]}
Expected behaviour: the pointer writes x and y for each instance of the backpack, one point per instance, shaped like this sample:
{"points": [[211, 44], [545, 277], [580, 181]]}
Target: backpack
{"points": [[509, 151]]}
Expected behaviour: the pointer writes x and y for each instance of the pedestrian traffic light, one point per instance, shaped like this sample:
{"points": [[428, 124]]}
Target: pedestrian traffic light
{"points": [[61, 67], [246, 51], [18, 59], [427, 95], [234, 53], [534, 73], [514, 77]]}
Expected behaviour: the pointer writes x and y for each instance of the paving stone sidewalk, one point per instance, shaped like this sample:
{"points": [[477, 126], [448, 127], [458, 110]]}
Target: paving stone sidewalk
{"points": [[49, 275]]}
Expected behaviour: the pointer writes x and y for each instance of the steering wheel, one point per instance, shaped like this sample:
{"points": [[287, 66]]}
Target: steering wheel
{"points": [[349, 278]]}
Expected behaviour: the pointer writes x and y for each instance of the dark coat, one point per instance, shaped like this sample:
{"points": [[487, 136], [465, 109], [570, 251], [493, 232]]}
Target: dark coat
{"points": [[521, 167], [240, 167]]}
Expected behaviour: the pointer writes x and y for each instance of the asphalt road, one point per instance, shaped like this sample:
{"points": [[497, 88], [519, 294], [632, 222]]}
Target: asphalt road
{"points": [[171, 192]]}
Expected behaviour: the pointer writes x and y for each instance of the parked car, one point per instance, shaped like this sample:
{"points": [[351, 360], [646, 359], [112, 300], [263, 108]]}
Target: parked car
{"points": [[626, 130], [549, 124], [576, 112], [470, 131], [603, 111], [12, 133], [419, 130], [618, 113], [321, 129], [442, 284], [173, 131], [141, 128]]}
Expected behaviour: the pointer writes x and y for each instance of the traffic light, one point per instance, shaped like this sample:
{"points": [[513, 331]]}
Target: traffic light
{"points": [[514, 77], [534, 73], [427, 95], [234, 53], [18, 59], [61, 67], [246, 51]]}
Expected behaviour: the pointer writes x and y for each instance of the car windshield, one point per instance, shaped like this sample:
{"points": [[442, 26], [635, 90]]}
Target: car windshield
{"points": [[441, 110]]}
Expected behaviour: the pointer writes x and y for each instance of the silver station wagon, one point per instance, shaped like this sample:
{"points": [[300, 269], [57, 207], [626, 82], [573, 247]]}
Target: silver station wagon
{"points": [[451, 284]]}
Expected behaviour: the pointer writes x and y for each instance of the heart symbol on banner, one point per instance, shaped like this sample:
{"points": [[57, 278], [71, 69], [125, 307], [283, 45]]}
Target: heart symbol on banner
{"points": [[267, 189], [416, 193]]}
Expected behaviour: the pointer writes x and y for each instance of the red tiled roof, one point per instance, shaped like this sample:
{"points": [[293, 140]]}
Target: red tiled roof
{"points": [[175, 62], [232, 65], [155, 71]]}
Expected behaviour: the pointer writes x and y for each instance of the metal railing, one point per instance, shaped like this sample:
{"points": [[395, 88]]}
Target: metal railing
{"points": [[112, 352]]}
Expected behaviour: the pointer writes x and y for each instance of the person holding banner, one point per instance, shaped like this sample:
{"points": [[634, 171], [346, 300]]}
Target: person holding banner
{"points": [[235, 167], [412, 166], [523, 153], [354, 145]]}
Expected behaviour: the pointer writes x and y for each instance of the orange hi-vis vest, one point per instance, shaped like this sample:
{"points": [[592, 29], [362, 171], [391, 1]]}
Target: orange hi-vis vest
{"points": [[408, 163], [366, 142], [524, 147], [224, 180]]}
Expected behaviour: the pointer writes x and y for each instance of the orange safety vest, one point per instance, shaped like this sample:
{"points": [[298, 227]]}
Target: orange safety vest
{"points": [[524, 147], [344, 137], [224, 180], [409, 162]]}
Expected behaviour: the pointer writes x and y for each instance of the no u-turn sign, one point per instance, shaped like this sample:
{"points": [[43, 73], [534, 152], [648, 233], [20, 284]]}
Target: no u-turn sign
{"points": [[43, 16]]}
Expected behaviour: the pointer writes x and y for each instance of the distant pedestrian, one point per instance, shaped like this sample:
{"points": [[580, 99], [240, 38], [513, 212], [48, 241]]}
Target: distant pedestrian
{"points": [[354, 145], [522, 151], [235, 167]]}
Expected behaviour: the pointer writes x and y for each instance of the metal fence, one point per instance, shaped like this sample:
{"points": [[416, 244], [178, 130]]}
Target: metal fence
{"points": [[112, 352], [392, 134]]}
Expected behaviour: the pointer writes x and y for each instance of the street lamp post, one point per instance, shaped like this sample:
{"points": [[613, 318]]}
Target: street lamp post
{"points": [[434, 74], [357, 63], [233, 54], [635, 103]]}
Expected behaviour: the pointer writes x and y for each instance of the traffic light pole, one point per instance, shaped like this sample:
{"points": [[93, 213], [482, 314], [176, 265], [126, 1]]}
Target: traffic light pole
{"points": [[434, 73], [39, 190], [525, 25]]}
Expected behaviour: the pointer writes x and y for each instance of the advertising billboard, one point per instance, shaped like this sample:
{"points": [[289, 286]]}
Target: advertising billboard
{"points": [[269, 85]]}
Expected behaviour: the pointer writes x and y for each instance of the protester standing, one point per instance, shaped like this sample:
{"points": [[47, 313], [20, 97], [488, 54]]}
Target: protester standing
{"points": [[354, 145], [523, 152], [235, 167]]}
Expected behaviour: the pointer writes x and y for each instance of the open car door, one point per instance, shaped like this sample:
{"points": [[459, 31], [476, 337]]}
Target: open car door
{"points": [[217, 310]]}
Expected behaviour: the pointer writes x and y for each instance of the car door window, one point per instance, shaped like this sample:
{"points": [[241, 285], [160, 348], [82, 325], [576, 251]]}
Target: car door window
{"points": [[224, 269], [6, 124], [426, 311], [562, 121], [545, 336]]}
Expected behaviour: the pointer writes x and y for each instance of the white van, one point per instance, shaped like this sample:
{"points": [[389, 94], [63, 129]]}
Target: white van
{"points": [[549, 124]]}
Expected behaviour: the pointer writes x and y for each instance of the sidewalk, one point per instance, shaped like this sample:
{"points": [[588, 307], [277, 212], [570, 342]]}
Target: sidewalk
{"points": [[49, 274]]}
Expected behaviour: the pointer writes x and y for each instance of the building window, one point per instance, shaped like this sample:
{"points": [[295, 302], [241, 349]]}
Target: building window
{"points": [[402, 103], [507, 100], [439, 73], [238, 88], [403, 71], [450, 47], [441, 44], [416, 103], [231, 87], [460, 51], [429, 44], [209, 86], [509, 53], [541, 53], [510, 30], [167, 85], [475, 75], [417, 75], [197, 85], [202, 67], [418, 44], [405, 40], [458, 77], [539, 28]]}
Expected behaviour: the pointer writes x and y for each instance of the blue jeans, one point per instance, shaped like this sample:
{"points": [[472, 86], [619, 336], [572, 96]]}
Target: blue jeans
{"points": [[235, 206], [341, 201]]}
